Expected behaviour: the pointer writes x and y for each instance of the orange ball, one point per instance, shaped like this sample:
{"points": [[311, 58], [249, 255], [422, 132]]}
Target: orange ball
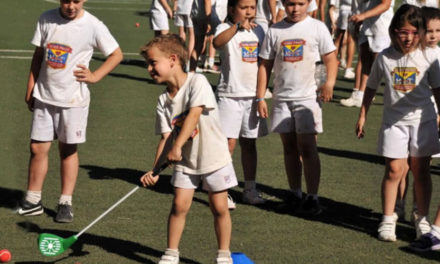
{"points": [[5, 256]]}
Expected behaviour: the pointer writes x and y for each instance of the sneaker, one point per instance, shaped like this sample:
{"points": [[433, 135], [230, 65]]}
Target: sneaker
{"points": [[252, 196], [268, 94], [422, 226], [64, 214], [212, 69], [199, 70], [349, 73], [342, 63], [291, 204], [231, 203], [387, 231], [224, 260], [353, 100], [168, 259], [425, 243], [27, 208], [311, 207]]}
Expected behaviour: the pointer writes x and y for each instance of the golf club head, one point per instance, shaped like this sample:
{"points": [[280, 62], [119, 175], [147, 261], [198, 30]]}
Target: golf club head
{"points": [[52, 245]]}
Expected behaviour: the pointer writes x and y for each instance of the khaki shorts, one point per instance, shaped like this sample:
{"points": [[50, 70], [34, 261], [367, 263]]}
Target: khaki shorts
{"points": [[183, 21], [301, 117], [238, 118], [50, 122], [216, 181]]}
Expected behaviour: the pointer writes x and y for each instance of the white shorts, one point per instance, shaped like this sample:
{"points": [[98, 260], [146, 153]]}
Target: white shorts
{"points": [[302, 117], [401, 141], [342, 21], [159, 21], [183, 21], [216, 181], [376, 43], [50, 122], [238, 118]]}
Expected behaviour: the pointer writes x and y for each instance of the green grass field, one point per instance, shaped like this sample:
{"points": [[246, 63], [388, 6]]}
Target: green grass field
{"points": [[120, 147]]}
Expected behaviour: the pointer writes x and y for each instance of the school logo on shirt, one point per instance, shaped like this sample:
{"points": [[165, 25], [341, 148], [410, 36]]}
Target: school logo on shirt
{"points": [[404, 78], [293, 50], [178, 121], [57, 55], [249, 51]]}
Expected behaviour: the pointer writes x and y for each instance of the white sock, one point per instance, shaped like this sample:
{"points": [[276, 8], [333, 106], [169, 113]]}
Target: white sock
{"points": [[172, 252], [435, 231], [360, 94], [297, 192], [314, 196], [33, 196], [250, 185], [388, 218], [223, 253], [65, 199], [210, 62]]}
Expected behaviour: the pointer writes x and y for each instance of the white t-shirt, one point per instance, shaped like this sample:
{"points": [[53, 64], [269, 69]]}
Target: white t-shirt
{"points": [[378, 25], [68, 43], [184, 7], [239, 62], [157, 7], [263, 15], [207, 150], [430, 3], [295, 49], [408, 79]]}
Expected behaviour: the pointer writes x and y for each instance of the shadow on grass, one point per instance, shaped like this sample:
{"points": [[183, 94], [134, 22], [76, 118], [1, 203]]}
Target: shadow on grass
{"points": [[431, 255], [124, 248], [10, 198]]}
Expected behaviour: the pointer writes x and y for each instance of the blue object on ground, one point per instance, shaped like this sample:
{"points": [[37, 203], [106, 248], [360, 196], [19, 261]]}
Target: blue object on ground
{"points": [[240, 258]]}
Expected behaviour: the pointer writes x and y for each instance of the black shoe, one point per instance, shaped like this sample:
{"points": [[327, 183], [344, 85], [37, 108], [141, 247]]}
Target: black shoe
{"points": [[64, 214], [290, 205], [311, 207], [28, 208]]}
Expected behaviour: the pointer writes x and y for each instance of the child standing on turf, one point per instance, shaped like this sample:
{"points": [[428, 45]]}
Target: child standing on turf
{"points": [[160, 12], [57, 94], [409, 127], [239, 41], [191, 138], [291, 48]]}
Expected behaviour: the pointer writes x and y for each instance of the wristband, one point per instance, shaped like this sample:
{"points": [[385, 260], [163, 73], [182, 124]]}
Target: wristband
{"points": [[259, 100]]}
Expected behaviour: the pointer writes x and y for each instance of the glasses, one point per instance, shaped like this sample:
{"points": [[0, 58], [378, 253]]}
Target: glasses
{"points": [[407, 33]]}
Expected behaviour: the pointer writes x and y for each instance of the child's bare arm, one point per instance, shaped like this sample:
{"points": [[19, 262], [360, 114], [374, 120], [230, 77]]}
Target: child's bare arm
{"points": [[331, 15], [148, 179], [264, 70], [37, 59], [273, 10], [377, 10], [366, 102], [167, 8], [331, 65], [190, 123], [85, 75], [224, 37], [436, 93]]}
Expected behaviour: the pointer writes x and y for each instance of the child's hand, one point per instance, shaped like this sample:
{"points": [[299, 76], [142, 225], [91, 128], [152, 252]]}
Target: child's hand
{"points": [[360, 133], [262, 109], [356, 18], [174, 155], [30, 103], [248, 24], [148, 179], [325, 92], [169, 13], [84, 74]]}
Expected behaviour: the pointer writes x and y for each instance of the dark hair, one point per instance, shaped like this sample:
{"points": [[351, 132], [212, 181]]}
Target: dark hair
{"points": [[232, 4], [168, 44], [407, 14], [430, 13]]}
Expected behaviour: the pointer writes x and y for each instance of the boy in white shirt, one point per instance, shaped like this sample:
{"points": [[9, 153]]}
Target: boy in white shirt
{"points": [[58, 95], [292, 47]]}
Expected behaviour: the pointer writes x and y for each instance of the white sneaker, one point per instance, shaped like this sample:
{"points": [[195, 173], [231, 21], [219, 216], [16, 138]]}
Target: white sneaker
{"points": [[224, 260], [353, 100], [268, 94], [231, 203], [387, 231], [349, 73], [343, 63], [422, 226], [167, 259], [252, 196]]}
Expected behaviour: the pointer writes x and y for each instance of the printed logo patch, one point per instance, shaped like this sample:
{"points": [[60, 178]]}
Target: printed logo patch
{"points": [[57, 55], [177, 123], [404, 78], [293, 50], [249, 51]]}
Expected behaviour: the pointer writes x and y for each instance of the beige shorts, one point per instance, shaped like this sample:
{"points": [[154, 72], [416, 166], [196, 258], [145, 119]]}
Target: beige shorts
{"points": [[238, 118], [183, 21], [216, 181], [302, 117], [401, 141], [50, 122]]}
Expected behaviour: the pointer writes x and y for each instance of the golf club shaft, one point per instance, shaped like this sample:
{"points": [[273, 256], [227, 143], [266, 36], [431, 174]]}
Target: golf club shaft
{"points": [[156, 171]]}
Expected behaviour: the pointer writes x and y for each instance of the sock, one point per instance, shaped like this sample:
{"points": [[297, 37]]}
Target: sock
{"points": [[388, 218], [435, 231], [314, 196], [33, 196], [250, 185], [210, 62], [360, 94], [297, 192], [221, 253], [172, 252], [65, 199]]}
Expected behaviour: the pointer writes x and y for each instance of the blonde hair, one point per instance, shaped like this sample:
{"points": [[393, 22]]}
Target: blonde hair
{"points": [[168, 44]]}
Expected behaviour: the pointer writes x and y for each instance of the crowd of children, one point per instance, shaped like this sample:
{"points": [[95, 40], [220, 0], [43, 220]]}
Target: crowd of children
{"points": [[199, 129]]}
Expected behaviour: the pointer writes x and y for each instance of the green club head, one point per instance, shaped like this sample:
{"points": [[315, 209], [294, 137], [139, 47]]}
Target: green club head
{"points": [[52, 245]]}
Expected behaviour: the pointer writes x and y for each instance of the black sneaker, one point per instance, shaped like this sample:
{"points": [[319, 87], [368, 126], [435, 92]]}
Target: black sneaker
{"points": [[27, 208], [311, 207], [64, 214], [290, 205], [425, 243]]}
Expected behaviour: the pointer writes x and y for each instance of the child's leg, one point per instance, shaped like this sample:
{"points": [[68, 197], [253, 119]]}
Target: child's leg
{"points": [[248, 158], [339, 34], [176, 220], [218, 202], [182, 33], [292, 161], [232, 142], [350, 49], [367, 59], [401, 193], [394, 172], [191, 40], [310, 158], [69, 167], [38, 165], [422, 183]]}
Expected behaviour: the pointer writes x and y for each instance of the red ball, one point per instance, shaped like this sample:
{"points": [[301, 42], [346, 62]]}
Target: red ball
{"points": [[5, 255]]}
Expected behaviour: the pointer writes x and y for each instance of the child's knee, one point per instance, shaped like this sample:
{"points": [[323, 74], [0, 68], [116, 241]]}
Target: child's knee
{"points": [[180, 207]]}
